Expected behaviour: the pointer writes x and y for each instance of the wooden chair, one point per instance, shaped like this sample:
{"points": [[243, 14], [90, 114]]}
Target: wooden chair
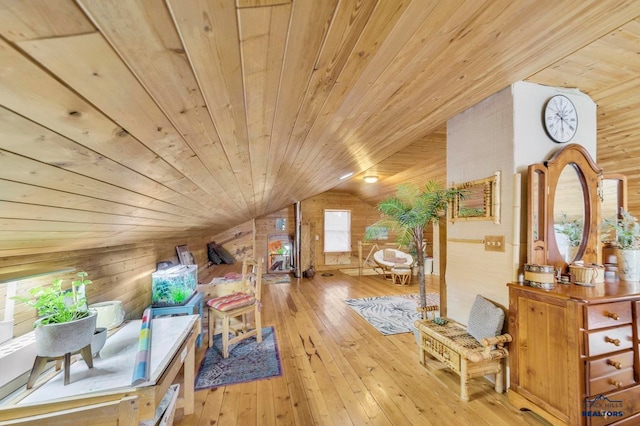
{"points": [[239, 305]]}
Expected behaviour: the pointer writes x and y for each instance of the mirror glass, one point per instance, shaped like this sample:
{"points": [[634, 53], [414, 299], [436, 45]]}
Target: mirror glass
{"points": [[609, 207], [477, 200], [473, 203], [614, 200], [568, 213], [609, 198]]}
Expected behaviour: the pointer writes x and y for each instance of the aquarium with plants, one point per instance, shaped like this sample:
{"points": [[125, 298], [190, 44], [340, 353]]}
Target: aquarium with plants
{"points": [[173, 286]]}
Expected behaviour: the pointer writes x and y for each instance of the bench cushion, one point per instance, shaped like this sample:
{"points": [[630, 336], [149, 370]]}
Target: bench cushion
{"points": [[485, 319]]}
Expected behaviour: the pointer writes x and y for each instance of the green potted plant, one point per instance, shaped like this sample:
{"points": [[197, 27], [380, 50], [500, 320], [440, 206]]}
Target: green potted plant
{"points": [[407, 214], [65, 324], [627, 242]]}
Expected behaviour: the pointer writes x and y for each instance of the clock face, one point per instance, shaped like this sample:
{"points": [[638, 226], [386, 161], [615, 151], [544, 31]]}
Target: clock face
{"points": [[560, 119]]}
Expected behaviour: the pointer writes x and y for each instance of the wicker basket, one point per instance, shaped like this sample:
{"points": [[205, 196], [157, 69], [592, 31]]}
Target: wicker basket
{"points": [[592, 274]]}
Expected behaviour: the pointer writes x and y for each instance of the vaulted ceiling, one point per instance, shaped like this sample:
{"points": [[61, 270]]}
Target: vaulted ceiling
{"points": [[129, 120]]}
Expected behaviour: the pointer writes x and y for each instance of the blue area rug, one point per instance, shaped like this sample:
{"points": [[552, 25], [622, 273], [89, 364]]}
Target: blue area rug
{"points": [[391, 314], [248, 360]]}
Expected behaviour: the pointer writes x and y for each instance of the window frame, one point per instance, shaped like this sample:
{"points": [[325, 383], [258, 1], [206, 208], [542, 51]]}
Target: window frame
{"points": [[343, 247]]}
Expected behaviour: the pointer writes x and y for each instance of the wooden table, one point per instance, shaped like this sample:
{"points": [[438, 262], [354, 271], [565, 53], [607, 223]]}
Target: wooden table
{"points": [[172, 348]]}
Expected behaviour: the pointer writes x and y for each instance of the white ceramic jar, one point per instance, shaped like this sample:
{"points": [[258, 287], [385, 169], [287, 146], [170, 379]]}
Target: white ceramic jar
{"points": [[110, 313]]}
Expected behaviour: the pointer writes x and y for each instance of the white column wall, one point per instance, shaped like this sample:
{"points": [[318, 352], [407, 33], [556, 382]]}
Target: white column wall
{"points": [[502, 133]]}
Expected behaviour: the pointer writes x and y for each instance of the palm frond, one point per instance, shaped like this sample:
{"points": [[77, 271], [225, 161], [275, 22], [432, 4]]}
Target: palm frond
{"points": [[409, 211]]}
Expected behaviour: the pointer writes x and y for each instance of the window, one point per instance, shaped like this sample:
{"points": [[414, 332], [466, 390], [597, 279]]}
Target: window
{"points": [[337, 231]]}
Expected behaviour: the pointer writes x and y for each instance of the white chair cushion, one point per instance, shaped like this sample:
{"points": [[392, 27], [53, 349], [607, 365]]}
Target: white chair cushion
{"points": [[401, 258]]}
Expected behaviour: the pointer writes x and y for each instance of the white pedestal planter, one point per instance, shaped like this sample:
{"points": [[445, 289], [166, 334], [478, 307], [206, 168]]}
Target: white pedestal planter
{"points": [[629, 265], [55, 340]]}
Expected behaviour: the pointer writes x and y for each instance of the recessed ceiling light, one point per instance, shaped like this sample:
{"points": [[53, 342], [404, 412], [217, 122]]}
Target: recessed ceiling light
{"points": [[346, 176], [371, 179]]}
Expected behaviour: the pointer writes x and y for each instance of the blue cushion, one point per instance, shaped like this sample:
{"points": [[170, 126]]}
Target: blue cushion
{"points": [[485, 319]]}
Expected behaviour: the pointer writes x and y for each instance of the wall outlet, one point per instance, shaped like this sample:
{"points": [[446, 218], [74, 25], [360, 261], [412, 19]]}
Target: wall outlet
{"points": [[494, 243]]}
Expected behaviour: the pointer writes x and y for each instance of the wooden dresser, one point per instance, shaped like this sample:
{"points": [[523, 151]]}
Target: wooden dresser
{"points": [[575, 353]]}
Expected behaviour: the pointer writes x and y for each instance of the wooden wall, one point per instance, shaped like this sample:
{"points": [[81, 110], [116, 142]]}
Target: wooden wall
{"points": [[266, 226], [362, 215], [120, 272]]}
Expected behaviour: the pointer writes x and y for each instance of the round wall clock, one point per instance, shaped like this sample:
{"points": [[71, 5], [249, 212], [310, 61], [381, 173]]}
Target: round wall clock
{"points": [[560, 119]]}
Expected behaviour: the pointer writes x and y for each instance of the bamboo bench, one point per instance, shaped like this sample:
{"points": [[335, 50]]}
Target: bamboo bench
{"points": [[452, 345]]}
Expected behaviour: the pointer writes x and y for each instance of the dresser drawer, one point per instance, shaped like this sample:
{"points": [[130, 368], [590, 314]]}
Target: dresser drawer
{"points": [[609, 340], [610, 364], [608, 315], [622, 407], [620, 379]]}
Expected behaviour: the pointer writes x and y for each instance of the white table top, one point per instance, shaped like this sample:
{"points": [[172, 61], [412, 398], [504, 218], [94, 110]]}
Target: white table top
{"points": [[113, 368]]}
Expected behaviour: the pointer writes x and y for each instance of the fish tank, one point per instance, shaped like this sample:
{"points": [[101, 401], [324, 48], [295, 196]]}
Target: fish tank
{"points": [[173, 286]]}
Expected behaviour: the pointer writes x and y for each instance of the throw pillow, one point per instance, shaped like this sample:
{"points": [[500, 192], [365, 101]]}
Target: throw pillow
{"points": [[231, 301], [485, 319], [388, 255]]}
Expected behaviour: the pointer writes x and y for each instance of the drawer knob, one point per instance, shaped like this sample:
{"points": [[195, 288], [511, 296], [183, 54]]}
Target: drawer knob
{"points": [[616, 383], [613, 315], [615, 364], [611, 340]]}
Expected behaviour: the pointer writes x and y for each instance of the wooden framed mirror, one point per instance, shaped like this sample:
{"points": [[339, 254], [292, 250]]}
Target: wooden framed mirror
{"points": [[564, 209], [477, 200]]}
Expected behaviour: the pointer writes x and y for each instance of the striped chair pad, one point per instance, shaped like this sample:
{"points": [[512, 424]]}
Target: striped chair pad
{"points": [[231, 301]]}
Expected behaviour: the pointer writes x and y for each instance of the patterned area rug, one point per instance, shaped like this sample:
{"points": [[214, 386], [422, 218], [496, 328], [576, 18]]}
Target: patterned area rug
{"points": [[276, 278], [391, 314], [248, 361]]}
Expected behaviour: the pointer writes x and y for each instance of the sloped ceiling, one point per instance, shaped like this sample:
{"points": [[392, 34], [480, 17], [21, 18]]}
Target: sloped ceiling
{"points": [[129, 120]]}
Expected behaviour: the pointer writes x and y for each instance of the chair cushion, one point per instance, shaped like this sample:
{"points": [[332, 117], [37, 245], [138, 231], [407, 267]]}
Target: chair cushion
{"points": [[231, 301], [388, 255], [232, 276], [485, 319]]}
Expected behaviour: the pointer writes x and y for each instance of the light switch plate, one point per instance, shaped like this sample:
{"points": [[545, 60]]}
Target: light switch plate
{"points": [[494, 243]]}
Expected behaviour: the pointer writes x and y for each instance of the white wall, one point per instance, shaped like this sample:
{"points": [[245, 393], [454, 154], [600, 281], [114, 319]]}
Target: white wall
{"points": [[531, 143], [502, 133]]}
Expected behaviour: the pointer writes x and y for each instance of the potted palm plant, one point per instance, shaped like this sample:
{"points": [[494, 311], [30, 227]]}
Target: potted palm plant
{"points": [[65, 324], [407, 214], [627, 242]]}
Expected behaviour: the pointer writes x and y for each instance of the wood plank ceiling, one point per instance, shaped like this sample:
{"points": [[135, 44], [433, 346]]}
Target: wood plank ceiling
{"points": [[130, 120]]}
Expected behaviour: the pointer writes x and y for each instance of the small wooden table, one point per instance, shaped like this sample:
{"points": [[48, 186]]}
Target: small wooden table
{"points": [[188, 309]]}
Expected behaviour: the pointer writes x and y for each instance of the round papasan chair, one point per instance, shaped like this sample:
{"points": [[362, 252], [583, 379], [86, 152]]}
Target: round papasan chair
{"points": [[392, 258]]}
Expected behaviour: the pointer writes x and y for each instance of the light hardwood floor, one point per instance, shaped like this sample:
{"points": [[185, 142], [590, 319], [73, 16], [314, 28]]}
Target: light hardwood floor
{"points": [[337, 369]]}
